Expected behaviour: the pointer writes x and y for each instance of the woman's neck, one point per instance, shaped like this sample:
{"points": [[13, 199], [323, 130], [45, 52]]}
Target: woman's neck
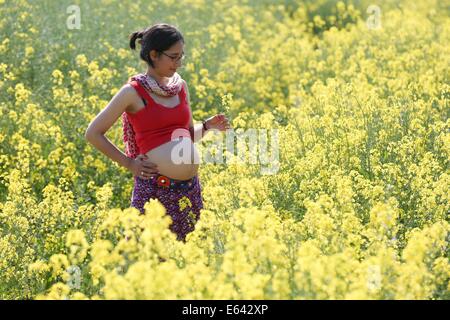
{"points": [[161, 80]]}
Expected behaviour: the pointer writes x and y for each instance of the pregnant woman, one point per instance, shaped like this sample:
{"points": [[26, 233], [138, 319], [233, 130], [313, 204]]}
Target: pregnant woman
{"points": [[159, 133]]}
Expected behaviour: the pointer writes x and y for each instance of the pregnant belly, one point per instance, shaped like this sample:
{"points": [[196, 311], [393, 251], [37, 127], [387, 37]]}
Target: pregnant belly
{"points": [[177, 159]]}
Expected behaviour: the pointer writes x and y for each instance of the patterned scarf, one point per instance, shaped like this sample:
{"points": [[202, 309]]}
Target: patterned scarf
{"points": [[151, 85]]}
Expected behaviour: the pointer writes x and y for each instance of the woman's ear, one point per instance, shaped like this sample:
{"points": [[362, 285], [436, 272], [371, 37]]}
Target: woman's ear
{"points": [[153, 55]]}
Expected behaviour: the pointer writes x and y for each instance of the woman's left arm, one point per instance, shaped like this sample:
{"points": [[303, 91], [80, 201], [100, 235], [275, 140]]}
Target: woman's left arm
{"points": [[219, 122]]}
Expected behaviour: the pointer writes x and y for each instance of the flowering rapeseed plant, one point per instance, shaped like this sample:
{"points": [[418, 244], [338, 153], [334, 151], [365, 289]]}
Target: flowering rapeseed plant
{"points": [[358, 209]]}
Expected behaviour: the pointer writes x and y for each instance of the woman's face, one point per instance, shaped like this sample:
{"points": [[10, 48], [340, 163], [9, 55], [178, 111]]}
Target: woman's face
{"points": [[170, 59]]}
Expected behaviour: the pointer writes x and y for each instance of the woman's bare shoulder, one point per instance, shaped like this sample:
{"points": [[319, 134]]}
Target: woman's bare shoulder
{"points": [[130, 96]]}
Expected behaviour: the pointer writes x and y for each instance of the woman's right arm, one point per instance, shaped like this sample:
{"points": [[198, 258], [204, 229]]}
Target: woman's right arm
{"points": [[95, 133]]}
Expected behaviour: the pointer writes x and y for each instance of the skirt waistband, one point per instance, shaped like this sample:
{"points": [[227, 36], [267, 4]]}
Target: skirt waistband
{"points": [[166, 182]]}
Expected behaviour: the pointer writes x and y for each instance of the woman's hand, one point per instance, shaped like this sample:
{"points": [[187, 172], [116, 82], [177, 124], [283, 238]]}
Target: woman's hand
{"points": [[219, 122], [143, 168]]}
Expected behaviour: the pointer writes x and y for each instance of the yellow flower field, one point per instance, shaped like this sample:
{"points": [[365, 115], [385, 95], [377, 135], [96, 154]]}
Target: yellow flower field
{"points": [[357, 209]]}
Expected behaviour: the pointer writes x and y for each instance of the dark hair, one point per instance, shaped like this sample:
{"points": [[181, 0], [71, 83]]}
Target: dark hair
{"points": [[159, 37]]}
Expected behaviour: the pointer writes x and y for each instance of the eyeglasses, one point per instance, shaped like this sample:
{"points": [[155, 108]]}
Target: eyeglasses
{"points": [[176, 59]]}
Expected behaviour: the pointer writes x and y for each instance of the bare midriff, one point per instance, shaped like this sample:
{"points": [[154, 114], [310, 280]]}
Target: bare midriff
{"points": [[168, 159]]}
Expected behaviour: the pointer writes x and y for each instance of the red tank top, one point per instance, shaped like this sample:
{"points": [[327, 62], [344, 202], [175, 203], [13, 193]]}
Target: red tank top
{"points": [[156, 124]]}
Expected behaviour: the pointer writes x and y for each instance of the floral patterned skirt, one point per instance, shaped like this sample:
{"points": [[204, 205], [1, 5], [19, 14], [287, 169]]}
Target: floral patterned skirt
{"points": [[181, 198]]}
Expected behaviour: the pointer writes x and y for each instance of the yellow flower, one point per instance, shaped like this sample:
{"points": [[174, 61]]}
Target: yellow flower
{"points": [[184, 202], [29, 52], [122, 53], [77, 245], [21, 94], [58, 263], [81, 60], [58, 77]]}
